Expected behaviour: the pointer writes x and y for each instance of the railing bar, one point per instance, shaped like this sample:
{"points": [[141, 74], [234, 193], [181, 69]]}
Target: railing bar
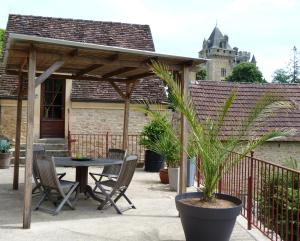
{"points": [[287, 207], [292, 209]]}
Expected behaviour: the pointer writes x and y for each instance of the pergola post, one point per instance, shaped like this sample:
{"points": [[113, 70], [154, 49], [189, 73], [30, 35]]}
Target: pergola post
{"points": [[29, 141], [183, 133], [18, 133], [126, 117]]}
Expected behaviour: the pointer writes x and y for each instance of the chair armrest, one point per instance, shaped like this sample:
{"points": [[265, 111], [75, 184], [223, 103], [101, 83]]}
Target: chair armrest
{"points": [[61, 175]]}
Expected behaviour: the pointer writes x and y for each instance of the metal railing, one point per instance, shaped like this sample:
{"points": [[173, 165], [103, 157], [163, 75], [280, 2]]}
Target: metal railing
{"points": [[97, 145], [270, 194]]}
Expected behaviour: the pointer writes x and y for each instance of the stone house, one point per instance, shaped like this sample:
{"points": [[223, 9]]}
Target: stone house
{"points": [[221, 57], [89, 107], [208, 96]]}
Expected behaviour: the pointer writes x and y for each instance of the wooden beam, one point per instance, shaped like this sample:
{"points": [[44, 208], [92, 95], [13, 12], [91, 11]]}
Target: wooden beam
{"points": [[133, 84], [183, 133], [55, 66], [92, 59], [126, 117], [29, 142], [88, 69], [139, 76], [118, 71], [18, 133], [119, 91]]}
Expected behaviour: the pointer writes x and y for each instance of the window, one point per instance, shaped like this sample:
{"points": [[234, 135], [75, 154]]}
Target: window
{"points": [[223, 72]]}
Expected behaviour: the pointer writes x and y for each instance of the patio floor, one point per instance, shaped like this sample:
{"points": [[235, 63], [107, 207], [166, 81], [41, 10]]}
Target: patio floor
{"points": [[155, 218]]}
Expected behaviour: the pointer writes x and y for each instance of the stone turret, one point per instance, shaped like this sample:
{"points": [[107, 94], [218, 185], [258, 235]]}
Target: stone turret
{"points": [[222, 58]]}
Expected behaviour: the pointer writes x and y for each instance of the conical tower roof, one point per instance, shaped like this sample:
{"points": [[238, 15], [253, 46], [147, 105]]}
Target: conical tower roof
{"points": [[215, 38]]}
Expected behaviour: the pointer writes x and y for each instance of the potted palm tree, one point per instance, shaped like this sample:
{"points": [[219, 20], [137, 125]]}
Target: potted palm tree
{"points": [[5, 155], [207, 215]]}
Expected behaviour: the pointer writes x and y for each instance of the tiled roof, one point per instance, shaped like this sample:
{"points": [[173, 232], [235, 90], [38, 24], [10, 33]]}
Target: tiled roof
{"points": [[133, 36], [208, 97], [124, 35]]}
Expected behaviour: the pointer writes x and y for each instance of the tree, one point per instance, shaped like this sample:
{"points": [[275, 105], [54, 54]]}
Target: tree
{"points": [[201, 73], [294, 67], [246, 72], [2, 31], [291, 74], [281, 76]]}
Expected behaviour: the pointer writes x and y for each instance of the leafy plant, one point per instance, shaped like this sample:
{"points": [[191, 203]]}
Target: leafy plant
{"points": [[214, 152], [279, 196], [166, 143], [154, 130], [246, 72], [4, 146]]}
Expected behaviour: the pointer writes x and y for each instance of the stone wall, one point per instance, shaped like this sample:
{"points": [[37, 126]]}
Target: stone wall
{"points": [[102, 118], [278, 152], [8, 116]]}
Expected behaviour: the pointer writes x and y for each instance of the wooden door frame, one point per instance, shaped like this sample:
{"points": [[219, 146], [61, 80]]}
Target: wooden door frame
{"points": [[42, 100]]}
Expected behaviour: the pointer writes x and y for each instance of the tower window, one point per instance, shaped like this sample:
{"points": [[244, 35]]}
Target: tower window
{"points": [[223, 72]]}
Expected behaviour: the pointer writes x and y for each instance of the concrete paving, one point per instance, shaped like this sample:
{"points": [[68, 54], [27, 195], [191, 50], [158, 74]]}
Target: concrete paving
{"points": [[154, 219]]}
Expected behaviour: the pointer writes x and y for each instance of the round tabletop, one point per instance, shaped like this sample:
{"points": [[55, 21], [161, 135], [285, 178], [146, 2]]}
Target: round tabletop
{"points": [[68, 162]]}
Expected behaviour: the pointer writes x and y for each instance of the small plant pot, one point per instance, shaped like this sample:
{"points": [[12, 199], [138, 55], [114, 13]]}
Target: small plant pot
{"points": [[173, 178], [153, 161], [5, 160], [207, 224], [164, 177], [191, 171]]}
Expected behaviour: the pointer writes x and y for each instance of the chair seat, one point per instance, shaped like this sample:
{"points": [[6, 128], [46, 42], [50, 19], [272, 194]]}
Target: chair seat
{"points": [[108, 183]]}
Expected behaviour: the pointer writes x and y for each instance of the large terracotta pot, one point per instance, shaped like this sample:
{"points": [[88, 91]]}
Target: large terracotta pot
{"points": [[5, 160]]}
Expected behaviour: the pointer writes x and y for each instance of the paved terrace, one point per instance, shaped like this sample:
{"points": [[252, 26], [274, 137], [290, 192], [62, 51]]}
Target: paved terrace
{"points": [[154, 219]]}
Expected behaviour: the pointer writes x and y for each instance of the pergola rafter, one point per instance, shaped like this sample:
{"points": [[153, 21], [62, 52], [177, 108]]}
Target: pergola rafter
{"points": [[49, 58]]}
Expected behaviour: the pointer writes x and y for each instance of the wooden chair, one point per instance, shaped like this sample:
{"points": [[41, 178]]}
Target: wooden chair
{"points": [[110, 171], [39, 151], [53, 187], [113, 190]]}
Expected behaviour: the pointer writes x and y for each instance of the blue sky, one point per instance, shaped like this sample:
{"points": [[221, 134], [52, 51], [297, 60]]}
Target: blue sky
{"points": [[266, 28]]}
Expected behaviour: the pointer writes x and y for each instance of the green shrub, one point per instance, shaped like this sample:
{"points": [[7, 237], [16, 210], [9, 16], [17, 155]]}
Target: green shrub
{"points": [[279, 198], [4, 146]]}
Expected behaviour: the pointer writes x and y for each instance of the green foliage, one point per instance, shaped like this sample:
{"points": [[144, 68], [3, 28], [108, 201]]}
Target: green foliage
{"points": [[207, 142], [281, 76], [291, 74], [2, 32], [201, 74], [160, 137], [152, 131], [246, 72], [279, 196], [4, 146]]}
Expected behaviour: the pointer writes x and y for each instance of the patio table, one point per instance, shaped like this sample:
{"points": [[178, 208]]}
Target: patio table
{"points": [[82, 170]]}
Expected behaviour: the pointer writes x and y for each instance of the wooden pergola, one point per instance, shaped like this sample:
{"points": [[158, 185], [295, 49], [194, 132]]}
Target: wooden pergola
{"points": [[38, 59]]}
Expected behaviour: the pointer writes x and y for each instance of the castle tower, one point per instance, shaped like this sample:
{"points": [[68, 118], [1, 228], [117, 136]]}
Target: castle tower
{"points": [[222, 58]]}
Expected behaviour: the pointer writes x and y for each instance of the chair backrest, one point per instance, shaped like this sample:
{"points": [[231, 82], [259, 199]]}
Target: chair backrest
{"points": [[47, 172], [37, 151], [114, 154], [127, 171]]}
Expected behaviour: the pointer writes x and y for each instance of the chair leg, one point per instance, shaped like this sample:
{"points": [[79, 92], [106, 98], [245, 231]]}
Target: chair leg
{"points": [[42, 199], [37, 187], [66, 199], [107, 199], [122, 193]]}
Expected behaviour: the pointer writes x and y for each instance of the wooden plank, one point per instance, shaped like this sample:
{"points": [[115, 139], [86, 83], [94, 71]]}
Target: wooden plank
{"points": [[126, 118], [118, 90], [183, 134], [88, 69], [118, 71], [54, 67], [18, 133], [29, 141]]}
